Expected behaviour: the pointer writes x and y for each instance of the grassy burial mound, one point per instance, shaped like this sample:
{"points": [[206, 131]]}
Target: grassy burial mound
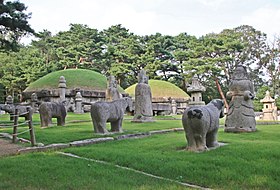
{"points": [[75, 78], [161, 89]]}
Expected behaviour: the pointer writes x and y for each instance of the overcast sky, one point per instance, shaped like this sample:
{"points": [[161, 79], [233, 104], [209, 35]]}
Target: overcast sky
{"points": [[168, 17]]}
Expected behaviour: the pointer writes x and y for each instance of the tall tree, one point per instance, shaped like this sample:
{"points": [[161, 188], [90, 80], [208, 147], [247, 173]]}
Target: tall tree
{"points": [[13, 24]]}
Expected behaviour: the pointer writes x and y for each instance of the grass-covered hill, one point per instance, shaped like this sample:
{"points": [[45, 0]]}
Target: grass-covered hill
{"points": [[75, 78], [161, 89]]}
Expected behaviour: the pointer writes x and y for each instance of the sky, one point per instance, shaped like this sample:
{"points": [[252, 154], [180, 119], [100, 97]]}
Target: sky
{"points": [[168, 17]]}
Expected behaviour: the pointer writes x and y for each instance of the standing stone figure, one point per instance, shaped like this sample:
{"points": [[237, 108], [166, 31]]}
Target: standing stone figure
{"points": [[143, 100], [240, 116], [34, 102], [112, 92]]}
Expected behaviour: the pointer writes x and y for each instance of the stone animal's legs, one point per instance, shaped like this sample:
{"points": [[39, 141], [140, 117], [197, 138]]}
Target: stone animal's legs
{"points": [[116, 126], [200, 140], [99, 126], [60, 121], [211, 138], [45, 120], [191, 140]]}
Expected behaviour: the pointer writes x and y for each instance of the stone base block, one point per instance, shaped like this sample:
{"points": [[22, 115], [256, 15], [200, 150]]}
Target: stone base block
{"points": [[239, 130]]}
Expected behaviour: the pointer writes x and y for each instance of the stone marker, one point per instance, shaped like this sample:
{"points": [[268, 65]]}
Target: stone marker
{"points": [[201, 124], [78, 103], [62, 88], [240, 116], [143, 100]]}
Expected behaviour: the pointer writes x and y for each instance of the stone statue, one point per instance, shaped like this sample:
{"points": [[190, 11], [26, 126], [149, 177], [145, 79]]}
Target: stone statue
{"points": [[9, 100], [173, 107], [240, 116], [113, 112], [34, 102], [78, 103], [201, 124], [143, 100], [196, 89], [49, 110], [112, 92], [22, 110], [62, 88]]}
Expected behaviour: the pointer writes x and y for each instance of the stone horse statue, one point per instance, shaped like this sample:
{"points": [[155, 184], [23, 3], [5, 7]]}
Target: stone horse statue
{"points": [[102, 112], [201, 124]]}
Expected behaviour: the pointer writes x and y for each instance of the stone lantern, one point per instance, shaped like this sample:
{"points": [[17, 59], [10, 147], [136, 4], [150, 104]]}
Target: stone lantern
{"points": [[196, 89], [269, 108]]}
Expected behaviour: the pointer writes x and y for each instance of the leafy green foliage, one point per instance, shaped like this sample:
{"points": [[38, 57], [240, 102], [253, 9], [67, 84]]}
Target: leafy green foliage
{"points": [[13, 24]]}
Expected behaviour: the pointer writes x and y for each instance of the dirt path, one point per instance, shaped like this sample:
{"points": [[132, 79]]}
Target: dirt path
{"points": [[8, 148]]}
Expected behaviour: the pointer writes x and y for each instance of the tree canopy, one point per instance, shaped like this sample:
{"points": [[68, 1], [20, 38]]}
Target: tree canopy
{"points": [[13, 24], [119, 52]]}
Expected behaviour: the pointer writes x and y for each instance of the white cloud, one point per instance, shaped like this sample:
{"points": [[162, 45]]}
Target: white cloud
{"points": [[265, 19], [196, 17]]}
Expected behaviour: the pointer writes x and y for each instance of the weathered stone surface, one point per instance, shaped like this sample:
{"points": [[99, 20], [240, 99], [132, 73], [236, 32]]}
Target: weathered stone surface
{"points": [[201, 124], [91, 141], [112, 92], [113, 112], [196, 89], [269, 107], [22, 110], [49, 110], [62, 88], [78, 103], [43, 148], [132, 136], [240, 116], [143, 100]]}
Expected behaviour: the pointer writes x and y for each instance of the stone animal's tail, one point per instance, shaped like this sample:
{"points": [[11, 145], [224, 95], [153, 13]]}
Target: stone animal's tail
{"points": [[195, 113]]}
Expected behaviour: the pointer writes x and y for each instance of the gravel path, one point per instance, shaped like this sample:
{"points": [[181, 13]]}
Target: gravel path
{"points": [[8, 148]]}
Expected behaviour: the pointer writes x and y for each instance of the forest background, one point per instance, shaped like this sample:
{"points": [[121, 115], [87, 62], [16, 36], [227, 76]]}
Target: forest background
{"points": [[119, 52]]}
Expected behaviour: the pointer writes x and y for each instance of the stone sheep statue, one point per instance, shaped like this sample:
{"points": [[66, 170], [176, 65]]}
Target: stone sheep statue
{"points": [[22, 110], [49, 110], [201, 124], [102, 112]]}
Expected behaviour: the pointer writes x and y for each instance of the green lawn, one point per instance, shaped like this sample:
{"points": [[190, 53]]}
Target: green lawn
{"points": [[74, 130], [248, 161]]}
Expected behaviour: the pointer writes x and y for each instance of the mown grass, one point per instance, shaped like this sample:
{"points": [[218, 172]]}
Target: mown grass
{"points": [[249, 161], [75, 78], [75, 130], [157, 86], [53, 171]]}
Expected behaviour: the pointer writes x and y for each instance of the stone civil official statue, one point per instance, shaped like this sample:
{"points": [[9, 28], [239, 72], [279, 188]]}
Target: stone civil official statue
{"points": [[240, 116], [143, 100]]}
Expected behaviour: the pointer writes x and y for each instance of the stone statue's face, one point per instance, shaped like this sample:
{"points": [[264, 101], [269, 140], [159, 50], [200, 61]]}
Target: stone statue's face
{"points": [[240, 73]]}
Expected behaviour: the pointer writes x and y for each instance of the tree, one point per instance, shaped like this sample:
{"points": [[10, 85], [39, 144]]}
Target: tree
{"points": [[13, 24]]}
